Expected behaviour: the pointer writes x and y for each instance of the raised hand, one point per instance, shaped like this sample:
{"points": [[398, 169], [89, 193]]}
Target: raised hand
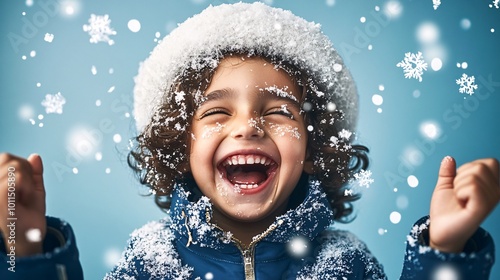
{"points": [[461, 201], [22, 204]]}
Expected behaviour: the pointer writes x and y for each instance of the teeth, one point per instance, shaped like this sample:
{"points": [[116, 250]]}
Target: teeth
{"points": [[246, 186], [247, 159]]}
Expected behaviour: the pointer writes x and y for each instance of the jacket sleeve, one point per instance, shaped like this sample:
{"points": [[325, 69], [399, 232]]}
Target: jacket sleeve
{"points": [[423, 262], [59, 260]]}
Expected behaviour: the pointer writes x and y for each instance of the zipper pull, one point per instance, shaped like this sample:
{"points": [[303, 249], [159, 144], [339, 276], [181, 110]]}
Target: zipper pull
{"points": [[248, 263]]}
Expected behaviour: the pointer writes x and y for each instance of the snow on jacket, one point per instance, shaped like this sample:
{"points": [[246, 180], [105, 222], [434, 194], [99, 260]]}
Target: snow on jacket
{"points": [[186, 245]]}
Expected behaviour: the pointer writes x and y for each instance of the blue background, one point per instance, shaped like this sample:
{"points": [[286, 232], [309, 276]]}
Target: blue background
{"points": [[104, 207]]}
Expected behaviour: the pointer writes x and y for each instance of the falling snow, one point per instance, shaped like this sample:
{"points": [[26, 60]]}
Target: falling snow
{"points": [[496, 4], [436, 4], [364, 178], [413, 65], [99, 29], [48, 37], [53, 103], [467, 84]]}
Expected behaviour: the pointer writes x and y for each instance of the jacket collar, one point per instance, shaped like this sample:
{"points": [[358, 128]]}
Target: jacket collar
{"points": [[191, 218]]}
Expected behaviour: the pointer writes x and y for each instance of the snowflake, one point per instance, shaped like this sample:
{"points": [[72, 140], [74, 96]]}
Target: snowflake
{"points": [[53, 103], [496, 4], [413, 65], [346, 134], [436, 4], [99, 29], [364, 178], [467, 84]]}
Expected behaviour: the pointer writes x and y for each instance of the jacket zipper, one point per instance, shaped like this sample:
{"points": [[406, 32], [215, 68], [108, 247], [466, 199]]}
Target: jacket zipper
{"points": [[248, 253]]}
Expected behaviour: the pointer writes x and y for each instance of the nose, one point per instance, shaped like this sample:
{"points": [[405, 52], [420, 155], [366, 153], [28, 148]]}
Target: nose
{"points": [[248, 128]]}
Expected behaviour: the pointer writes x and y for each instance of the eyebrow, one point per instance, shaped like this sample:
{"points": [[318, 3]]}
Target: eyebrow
{"points": [[275, 93]]}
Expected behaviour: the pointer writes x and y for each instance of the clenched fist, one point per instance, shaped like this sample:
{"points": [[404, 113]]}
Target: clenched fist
{"points": [[463, 198], [22, 204]]}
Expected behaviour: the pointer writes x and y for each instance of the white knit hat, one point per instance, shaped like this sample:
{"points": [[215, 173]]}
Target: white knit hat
{"points": [[243, 27]]}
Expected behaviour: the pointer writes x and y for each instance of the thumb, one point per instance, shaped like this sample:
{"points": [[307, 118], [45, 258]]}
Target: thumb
{"points": [[37, 166], [447, 172]]}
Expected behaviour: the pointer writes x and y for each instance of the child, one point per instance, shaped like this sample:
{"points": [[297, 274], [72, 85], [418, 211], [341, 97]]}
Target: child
{"points": [[245, 115]]}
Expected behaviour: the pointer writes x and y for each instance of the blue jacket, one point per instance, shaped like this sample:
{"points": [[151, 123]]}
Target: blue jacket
{"points": [[299, 245]]}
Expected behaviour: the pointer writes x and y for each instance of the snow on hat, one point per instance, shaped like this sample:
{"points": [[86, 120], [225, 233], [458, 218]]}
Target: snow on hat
{"points": [[243, 27]]}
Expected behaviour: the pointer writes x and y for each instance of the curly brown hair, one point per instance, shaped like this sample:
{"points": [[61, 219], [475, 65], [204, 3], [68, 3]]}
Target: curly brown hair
{"points": [[159, 156]]}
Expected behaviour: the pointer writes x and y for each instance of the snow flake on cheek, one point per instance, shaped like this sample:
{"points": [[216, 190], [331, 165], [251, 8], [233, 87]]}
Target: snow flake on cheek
{"points": [[208, 131], [282, 130]]}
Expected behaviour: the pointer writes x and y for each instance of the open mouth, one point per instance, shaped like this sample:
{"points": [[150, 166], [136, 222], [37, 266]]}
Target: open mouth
{"points": [[247, 172]]}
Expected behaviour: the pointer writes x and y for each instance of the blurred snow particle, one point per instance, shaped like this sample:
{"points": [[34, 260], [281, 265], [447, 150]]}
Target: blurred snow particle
{"points": [[99, 29], [69, 8], [362, 19], [413, 156], [38, 84], [348, 192], [23, 57], [298, 246], [427, 33], [34, 235], [381, 87], [412, 181], [111, 257], [310, 128], [467, 84], [75, 170], [111, 71], [377, 8], [53, 103], [48, 37], [331, 106], [377, 99], [382, 231], [416, 93], [26, 112], [445, 272], [111, 89], [436, 64], [134, 25], [430, 130], [413, 65], [40, 117], [495, 3], [337, 67], [33, 53], [465, 24], [463, 65], [379, 110], [330, 3], [209, 276], [117, 138], [98, 156], [395, 217], [370, 47], [29, 3], [107, 170], [492, 30], [436, 4], [402, 202], [393, 9], [93, 70], [98, 103]]}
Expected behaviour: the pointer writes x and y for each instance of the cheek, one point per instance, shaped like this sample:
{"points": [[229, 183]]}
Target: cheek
{"points": [[209, 130], [285, 131]]}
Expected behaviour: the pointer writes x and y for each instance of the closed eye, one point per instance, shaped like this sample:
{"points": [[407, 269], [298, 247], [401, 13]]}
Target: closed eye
{"points": [[282, 112], [212, 112]]}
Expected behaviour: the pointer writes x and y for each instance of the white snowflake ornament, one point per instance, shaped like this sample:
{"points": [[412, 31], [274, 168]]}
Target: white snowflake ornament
{"points": [[99, 29], [53, 103], [436, 4], [364, 178], [467, 84], [413, 65]]}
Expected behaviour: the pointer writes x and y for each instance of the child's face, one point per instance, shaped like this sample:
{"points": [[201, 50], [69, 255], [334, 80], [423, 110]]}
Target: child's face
{"points": [[248, 140]]}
